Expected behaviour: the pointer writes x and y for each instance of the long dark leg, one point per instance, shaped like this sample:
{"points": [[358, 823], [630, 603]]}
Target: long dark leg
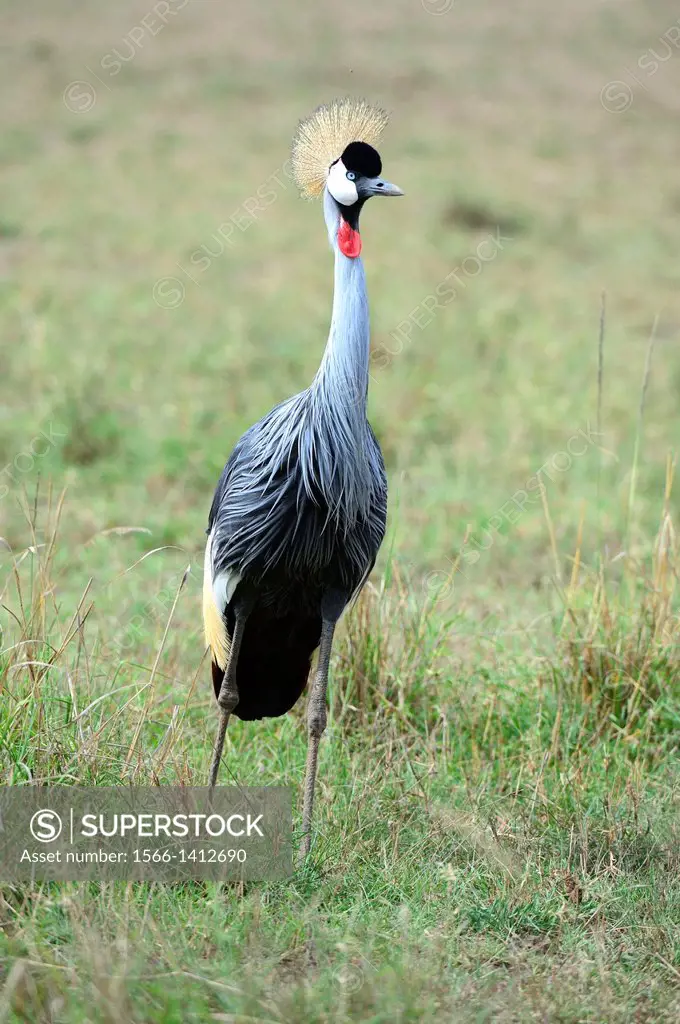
{"points": [[316, 713], [228, 695]]}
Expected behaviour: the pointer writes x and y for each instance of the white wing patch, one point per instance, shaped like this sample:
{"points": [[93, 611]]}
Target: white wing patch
{"points": [[224, 587], [217, 593]]}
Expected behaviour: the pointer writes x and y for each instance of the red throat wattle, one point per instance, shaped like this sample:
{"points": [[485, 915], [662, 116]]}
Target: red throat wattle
{"points": [[349, 240]]}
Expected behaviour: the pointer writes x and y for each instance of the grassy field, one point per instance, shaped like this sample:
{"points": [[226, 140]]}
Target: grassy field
{"points": [[497, 832]]}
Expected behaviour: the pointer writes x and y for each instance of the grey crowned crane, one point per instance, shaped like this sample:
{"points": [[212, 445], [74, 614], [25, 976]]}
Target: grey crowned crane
{"points": [[299, 512]]}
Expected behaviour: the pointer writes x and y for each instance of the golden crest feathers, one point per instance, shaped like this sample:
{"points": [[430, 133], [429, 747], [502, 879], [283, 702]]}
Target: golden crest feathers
{"points": [[321, 138]]}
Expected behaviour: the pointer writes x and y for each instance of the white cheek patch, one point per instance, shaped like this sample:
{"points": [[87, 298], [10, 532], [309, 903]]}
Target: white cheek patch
{"points": [[340, 187]]}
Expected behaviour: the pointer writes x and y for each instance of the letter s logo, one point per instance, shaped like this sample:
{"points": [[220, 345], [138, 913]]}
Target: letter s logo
{"points": [[45, 826]]}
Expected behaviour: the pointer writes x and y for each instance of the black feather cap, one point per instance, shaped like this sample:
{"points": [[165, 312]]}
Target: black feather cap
{"points": [[362, 159]]}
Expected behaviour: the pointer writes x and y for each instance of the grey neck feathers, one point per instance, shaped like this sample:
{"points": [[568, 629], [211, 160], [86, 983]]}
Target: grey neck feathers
{"points": [[340, 387], [344, 366]]}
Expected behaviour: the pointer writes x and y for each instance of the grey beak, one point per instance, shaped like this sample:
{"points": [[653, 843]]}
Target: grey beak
{"points": [[380, 187]]}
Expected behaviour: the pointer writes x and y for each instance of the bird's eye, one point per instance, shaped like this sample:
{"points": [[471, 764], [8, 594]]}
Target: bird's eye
{"points": [[351, 175]]}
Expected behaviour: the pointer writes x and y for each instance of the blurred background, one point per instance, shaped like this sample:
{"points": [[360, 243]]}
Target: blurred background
{"points": [[162, 284], [497, 811]]}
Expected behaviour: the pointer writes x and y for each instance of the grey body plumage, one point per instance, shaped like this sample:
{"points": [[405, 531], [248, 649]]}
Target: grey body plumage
{"points": [[299, 512], [281, 519], [303, 497]]}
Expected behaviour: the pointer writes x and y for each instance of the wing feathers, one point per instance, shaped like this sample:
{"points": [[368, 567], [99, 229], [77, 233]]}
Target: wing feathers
{"points": [[216, 635]]}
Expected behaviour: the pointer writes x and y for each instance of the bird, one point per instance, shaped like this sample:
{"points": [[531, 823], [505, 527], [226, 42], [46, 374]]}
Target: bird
{"points": [[300, 510]]}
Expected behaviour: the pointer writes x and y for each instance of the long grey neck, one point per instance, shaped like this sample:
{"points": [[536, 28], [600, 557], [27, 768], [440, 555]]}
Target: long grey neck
{"points": [[335, 447], [343, 373]]}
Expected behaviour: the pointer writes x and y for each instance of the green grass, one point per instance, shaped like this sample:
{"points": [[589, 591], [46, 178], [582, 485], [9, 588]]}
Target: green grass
{"points": [[497, 835], [496, 832]]}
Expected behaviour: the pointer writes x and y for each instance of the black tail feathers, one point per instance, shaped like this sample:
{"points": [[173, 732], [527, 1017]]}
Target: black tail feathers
{"points": [[274, 662]]}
